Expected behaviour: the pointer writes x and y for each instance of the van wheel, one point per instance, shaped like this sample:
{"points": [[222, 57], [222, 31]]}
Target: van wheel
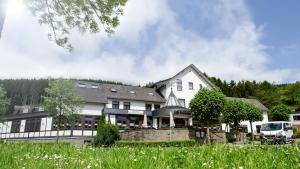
{"points": [[284, 140]]}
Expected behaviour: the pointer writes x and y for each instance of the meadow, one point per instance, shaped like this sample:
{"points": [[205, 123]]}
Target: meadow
{"points": [[48, 156]]}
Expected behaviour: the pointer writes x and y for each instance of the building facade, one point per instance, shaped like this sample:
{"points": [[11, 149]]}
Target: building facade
{"points": [[164, 105]]}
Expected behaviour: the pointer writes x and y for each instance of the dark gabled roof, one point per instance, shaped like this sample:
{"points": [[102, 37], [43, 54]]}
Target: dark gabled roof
{"points": [[163, 82], [90, 94], [132, 93], [100, 92], [256, 102]]}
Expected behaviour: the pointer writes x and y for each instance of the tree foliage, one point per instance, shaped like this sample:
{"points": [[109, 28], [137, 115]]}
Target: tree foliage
{"points": [[61, 101], [280, 112], [86, 15], [234, 111], [291, 95], [253, 114], [4, 102], [107, 134], [207, 105]]}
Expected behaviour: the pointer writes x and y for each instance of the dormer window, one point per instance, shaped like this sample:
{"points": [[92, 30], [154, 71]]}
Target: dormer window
{"points": [[191, 86], [113, 90], [150, 94], [179, 84], [95, 86], [81, 85]]}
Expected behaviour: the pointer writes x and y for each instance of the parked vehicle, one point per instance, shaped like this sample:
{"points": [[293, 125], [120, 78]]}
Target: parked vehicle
{"points": [[277, 132]]}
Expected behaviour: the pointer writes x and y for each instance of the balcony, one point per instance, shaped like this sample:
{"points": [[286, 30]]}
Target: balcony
{"points": [[125, 112]]}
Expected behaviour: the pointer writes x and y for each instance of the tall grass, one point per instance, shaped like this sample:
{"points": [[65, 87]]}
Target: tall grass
{"points": [[31, 156]]}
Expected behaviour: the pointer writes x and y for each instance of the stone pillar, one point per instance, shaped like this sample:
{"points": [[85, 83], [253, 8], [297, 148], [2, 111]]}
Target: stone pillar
{"points": [[112, 119], [172, 123], [160, 122], [145, 124], [190, 121], [107, 118], [154, 124]]}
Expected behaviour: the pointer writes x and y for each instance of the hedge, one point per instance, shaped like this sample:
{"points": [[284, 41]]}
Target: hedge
{"points": [[182, 143]]}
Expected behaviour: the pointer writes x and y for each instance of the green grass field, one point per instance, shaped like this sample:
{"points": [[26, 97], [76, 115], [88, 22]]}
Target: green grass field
{"points": [[31, 156]]}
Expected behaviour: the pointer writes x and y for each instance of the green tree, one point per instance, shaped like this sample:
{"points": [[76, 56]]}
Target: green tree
{"points": [[291, 95], [253, 114], [234, 111], [4, 102], [280, 112], [61, 101], [268, 94], [64, 15], [206, 107], [107, 134]]}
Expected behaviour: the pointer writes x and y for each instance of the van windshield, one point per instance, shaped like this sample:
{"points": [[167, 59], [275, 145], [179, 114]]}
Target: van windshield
{"points": [[271, 126]]}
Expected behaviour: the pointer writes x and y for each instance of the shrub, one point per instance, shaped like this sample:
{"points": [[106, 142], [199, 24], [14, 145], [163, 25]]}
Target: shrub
{"points": [[181, 143], [107, 134]]}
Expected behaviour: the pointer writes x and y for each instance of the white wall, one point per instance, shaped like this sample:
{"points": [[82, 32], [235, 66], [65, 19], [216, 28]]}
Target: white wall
{"points": [[134, 105], [296, 122], [188, 76], [92, 109]]}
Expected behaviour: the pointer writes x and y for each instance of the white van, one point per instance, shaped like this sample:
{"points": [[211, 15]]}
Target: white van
{"points": [[277, 131]]}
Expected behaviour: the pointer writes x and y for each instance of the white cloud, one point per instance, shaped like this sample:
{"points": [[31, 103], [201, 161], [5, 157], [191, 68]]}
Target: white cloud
{"points": [[235, 52]]}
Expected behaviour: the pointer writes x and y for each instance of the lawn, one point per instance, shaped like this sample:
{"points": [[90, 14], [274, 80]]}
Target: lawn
{"points": [[31, 156]]}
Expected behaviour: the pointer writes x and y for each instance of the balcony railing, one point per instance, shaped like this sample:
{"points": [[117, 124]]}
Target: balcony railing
{"points": [[124, 112]]}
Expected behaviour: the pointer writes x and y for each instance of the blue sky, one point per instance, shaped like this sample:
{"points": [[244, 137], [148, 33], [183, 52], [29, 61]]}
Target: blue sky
{"points": [[229, 39], [281, 30]]}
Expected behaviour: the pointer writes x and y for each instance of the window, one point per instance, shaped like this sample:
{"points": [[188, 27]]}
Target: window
{"points": [[148, 107], [113, 90], [115, 104], [15, 126], [65, 124], [179, 85], [33, 125], [296, 117], [191, 86], [126, 105], [88, 123], [156, 106], [181, 102]]}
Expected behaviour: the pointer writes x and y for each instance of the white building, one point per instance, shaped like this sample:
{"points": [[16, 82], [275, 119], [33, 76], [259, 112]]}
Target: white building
{"points": [[295, 119], [164, 105]]}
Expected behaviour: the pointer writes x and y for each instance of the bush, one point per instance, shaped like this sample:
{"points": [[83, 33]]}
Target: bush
{"points": [[183, 143], [106, 136]]}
